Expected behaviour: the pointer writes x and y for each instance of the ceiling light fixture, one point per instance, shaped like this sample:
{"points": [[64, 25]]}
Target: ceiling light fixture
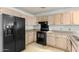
{"points": [[42, 7]]}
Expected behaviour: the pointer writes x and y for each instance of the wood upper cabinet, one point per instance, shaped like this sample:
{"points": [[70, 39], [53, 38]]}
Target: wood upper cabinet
{"points": [[31, 20], [66, 18], [45, 18], [57, 19], [76, 17], [51, 19], [61, 18], [41, 18], [37, 19]]}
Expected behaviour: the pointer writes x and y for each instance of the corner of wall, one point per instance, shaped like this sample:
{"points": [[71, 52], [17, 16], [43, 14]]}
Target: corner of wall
{"points": [[25, 13]]}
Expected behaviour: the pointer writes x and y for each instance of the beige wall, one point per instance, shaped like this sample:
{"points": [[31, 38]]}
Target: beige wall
{"points": [[11, 12]]}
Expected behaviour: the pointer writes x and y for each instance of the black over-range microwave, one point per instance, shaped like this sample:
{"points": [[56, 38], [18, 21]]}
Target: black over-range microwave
{"points": [[44, 26]]}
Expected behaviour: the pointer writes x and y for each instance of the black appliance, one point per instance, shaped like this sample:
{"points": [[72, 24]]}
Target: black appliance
{"points": [[13, 33], [41, 37], [44, 26]]}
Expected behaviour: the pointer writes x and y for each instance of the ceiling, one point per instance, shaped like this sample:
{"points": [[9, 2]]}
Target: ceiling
{"points": [[37, 10]]}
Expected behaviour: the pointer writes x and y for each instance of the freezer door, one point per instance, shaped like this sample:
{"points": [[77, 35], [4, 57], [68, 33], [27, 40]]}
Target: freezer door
{"points": [[8, 33], [20, 33]]}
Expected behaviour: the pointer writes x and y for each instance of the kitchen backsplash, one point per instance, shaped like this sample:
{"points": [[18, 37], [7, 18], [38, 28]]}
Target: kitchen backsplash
{"points": [[64, 27], [31, 27], [55, 27]]}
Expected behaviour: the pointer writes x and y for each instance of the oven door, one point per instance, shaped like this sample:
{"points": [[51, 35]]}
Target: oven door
{"points": [[41, 38]]}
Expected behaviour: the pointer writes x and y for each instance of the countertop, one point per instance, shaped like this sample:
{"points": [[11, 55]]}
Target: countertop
{"points": [[74, 35]]}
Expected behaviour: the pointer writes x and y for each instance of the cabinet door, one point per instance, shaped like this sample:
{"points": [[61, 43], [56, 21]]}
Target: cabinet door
{"points": [[51, 19], [39, 18], [69, 45], [51, 41], [45, 18], [30, 37], [34, 35], [42, 18], [57, 19], [76, 17], [66, 18], [31, 20], [61, 42]]}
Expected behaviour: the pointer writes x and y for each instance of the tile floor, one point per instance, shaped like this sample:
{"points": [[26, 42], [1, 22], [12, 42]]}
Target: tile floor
{"points": [[34, 47]]}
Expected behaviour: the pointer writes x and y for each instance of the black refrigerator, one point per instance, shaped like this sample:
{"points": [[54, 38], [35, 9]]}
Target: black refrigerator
{"points": [[13, 33]]}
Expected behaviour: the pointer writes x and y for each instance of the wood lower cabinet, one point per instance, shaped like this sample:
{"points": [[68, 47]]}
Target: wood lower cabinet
{"points": [[58, 40], [34, 34], [73, 49], [69, 46], [30, 37], [26, 41], [61, 42], [51, 41]]}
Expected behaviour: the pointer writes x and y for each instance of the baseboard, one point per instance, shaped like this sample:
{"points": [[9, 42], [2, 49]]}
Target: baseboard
{"points": [[30, 43], [59, 48]]}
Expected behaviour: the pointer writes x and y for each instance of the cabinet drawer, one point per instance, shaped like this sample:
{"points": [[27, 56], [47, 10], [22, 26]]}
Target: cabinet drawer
{"points": [[51, 41], [62, 36], [50, 35]]}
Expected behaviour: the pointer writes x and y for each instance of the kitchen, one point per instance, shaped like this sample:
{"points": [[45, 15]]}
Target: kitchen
{"points": [[48, 29]]}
